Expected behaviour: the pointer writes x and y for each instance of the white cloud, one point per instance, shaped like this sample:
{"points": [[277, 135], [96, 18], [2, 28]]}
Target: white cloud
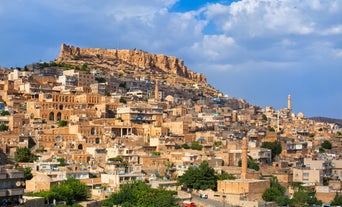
{"points": [[247, 38], [338, 53], [333, 30], [214, 47]]}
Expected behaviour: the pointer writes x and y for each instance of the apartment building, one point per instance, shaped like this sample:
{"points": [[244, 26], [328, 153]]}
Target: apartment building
{"points": [[12, 185]]}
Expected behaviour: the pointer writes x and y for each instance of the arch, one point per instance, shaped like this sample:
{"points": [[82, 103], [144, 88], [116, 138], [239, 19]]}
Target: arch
{"points": [[80, 147], [60, 106], [92, 131], [59, 116], [51, 116], [97, 140]]}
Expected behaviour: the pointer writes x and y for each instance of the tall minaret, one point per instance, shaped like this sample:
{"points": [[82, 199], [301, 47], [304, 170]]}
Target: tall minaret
{"points": [[156, 92], [244, 159], [289, 102]]}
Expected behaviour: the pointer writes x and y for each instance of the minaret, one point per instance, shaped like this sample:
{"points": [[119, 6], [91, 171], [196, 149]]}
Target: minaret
{"points": [[289, 102], [156, 92], [244, 158]]}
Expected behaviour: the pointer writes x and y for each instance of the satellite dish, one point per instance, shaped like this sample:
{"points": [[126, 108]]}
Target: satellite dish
{"points": [[18, 183]]}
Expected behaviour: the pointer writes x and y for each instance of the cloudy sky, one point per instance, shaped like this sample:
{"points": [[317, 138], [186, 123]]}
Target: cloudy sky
{"points": [[258, 50]]}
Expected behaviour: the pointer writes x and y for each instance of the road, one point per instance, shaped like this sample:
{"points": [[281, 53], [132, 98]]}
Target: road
{"points": [[201, 202]]}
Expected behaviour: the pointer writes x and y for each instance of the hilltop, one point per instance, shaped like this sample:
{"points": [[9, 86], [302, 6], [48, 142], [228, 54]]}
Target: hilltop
{"points": [[138, 60]]}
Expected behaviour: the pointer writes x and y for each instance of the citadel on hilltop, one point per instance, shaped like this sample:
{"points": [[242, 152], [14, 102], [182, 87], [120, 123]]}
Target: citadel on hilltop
{"points": [[90, 107]]}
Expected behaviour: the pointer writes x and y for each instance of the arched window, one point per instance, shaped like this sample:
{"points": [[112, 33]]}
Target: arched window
{"points": [[80, 147], [92, 131], [51, 116], [59, 116], [61, 107], [97, 141]]}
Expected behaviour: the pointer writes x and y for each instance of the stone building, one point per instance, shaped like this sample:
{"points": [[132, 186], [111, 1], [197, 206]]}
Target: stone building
{"points": [[12, 185], [244, 190]]}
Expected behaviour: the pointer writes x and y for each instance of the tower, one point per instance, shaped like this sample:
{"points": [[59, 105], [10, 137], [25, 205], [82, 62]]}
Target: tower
{"points": [[244, 159], [289, 102], [156, 91]]}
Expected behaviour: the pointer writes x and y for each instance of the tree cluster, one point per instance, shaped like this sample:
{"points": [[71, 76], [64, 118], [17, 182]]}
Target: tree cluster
{"points": [[201, 178], [251, 164], [24, 155], [70, 191], [141, 194], [194, 146], [275, 147], [301, 197]]}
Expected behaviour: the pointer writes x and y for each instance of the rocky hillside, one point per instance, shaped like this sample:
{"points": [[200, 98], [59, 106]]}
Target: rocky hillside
{"points": [[113, 58]]}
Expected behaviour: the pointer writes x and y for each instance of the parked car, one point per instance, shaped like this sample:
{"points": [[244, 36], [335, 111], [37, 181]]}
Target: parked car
{"points": [[188, 204], [205, 196]]}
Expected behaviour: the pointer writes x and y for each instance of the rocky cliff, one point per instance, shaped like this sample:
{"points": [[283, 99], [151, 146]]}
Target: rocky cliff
{"points": [[138, 58]]}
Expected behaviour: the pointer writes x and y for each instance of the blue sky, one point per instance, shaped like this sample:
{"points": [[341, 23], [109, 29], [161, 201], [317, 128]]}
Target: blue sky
{"points": [[258, 50]]}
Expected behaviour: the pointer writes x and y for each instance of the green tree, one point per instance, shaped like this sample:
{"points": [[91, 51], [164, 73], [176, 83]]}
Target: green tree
{"points": [[62, 123], [337, 200], [122, 85], [48, 195], [225, 176], [201, 178], [116, 159], [251, 164], [84, 67], [140, 194], [276, 192], [271, 129], [24, 155], [70, 191], [100, 79], [264, 117], [185, 146], [326, 144], [270, 194], [275, 147], [3, 127], [304, 197], [122, 100], [61, 161], [155, 153], [27, 172], [196, 145], [4, 113], [218, 143]]}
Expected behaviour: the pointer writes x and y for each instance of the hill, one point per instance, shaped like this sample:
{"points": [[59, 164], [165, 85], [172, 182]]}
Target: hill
{"points": [[138, 64], [327, 120], [137, 59]]}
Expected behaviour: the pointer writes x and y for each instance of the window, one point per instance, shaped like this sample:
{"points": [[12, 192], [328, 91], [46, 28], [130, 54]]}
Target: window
{"points": [[306, 174]]}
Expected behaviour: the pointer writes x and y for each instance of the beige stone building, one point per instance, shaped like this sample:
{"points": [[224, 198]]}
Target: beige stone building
{"points": [[39, 182], [307, 175]]}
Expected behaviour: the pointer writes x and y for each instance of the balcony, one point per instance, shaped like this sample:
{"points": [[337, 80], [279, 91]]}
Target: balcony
{"points": [[3, 193], [3, 176], [15, 192], [15, 174]]}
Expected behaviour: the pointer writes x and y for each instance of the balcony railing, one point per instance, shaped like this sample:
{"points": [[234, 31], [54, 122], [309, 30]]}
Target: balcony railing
{"points": [[14, 192], [3, 192]]}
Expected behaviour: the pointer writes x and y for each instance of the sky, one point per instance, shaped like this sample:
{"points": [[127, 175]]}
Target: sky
{"points": [[257, 50]]}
